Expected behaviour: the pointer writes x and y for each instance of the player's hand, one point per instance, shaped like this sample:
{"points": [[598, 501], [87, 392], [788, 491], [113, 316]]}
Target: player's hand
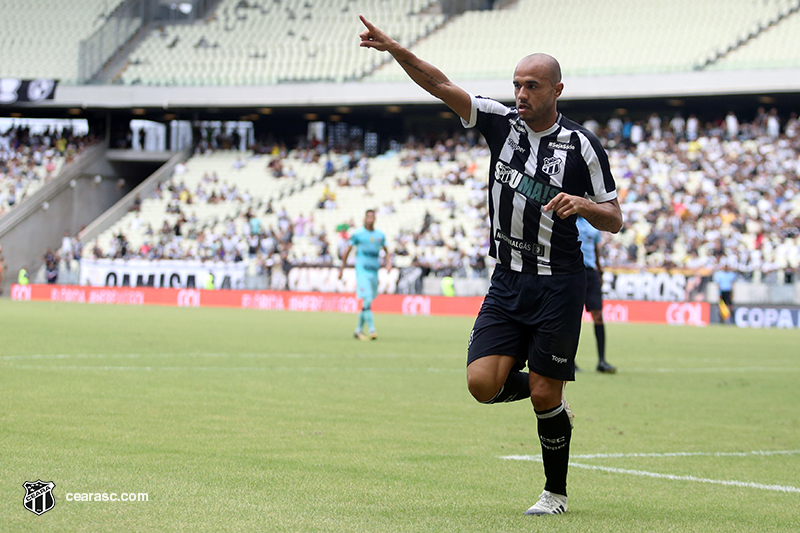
{"points": [[373, 37], [565, 205], [341, 271]]}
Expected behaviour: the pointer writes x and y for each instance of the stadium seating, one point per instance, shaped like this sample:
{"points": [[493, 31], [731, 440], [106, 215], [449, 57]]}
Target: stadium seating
{"points": [[298, 41], [776, 47], [274, 42], [687, 204], [623, 36], [41, 39], [268, 42], [24, 169]]}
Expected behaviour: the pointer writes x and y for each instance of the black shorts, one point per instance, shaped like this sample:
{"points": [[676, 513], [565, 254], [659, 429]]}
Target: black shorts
{"points": [[535, 319], [594, 290], [727, 297]]}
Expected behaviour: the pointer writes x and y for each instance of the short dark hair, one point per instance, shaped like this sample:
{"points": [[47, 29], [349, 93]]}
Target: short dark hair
{"points": [[369, 211]]}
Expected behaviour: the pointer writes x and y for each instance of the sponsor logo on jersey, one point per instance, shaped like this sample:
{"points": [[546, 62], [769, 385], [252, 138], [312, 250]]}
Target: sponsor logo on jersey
{"points": [[518, 244], [515, 146], [555, 145], [536, 191]]}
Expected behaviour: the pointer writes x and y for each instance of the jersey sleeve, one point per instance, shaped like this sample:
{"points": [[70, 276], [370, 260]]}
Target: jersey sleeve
{"points": [[484, 105], [601, 186]]}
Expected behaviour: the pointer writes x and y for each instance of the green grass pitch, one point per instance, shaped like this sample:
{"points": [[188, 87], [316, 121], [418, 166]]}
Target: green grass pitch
{"points": [[240, 420]]}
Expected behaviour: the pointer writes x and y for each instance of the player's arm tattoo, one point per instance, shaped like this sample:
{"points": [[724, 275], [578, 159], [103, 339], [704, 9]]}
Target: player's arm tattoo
{"points": [[605, 216], [425, 76]]}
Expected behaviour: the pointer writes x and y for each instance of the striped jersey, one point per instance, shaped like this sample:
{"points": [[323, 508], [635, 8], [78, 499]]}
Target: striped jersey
{"points": [[527, 170]]}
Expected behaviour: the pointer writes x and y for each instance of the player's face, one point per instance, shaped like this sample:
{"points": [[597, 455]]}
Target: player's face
{"points": [[369, 220], [535, 94]]}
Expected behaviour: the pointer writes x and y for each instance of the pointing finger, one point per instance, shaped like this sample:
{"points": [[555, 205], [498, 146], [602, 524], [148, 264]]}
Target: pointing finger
{"points": [[366, 23]]}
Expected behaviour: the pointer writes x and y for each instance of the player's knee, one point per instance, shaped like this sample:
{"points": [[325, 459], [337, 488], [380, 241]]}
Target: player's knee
{"points": [[545, 394], [482, 389]]}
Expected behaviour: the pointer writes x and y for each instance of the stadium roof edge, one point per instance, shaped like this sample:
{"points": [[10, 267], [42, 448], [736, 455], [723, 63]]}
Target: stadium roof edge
{"points": [[682, 84]]}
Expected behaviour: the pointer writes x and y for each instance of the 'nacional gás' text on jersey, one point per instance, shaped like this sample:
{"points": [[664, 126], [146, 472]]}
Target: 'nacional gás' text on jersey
{"points": [[528, 169], [368, 248]]}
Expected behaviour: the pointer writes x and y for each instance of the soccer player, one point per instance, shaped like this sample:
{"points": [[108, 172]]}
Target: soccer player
{"points": [[590, 248], [368, 242], [545, 169]]}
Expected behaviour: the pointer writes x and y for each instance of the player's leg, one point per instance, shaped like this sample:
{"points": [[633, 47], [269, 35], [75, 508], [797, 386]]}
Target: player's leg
{"points": [[369, 297], [551, 362], [362, 293], [594, 304], [493, 378]]}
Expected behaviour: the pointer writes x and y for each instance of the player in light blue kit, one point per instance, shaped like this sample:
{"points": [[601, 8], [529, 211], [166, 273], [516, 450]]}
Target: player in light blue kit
{"points": [[368, 242]]}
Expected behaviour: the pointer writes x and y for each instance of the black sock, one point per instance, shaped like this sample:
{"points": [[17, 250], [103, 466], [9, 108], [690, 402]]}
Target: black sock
{"points": [[516, 387], [600, 333], [555, 433]]}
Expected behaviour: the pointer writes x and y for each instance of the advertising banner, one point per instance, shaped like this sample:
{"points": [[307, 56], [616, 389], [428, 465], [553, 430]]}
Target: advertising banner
{"points": [[15, 90], [615, 311], [766, 317], [168, 273], [653, 286]]}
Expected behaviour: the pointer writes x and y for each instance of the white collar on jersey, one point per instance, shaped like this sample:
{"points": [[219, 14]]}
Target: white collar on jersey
{"points": [[548, 131]]}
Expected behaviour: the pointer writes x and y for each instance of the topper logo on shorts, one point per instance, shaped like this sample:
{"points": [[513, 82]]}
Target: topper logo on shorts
{"points": [[38, 496], [559, 360]]}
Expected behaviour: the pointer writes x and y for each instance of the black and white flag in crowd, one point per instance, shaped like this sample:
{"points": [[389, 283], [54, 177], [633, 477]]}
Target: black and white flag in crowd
{"points": [[14, 90]]}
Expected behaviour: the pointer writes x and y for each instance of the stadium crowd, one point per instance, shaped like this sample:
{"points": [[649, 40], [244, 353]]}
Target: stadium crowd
{"points": [[29, 160], [695, 196]]}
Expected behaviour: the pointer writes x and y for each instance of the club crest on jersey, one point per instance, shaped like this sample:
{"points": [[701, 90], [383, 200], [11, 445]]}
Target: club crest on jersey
{"points": [[552, 165]]}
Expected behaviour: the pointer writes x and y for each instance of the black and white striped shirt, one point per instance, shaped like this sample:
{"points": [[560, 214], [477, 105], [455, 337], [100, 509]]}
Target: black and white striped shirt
{"points": [[527, 170]]}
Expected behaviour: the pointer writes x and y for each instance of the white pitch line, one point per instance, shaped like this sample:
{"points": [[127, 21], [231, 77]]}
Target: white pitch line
{"points": [[710, 370], [747, 484], [672, 477], [668, 454]]}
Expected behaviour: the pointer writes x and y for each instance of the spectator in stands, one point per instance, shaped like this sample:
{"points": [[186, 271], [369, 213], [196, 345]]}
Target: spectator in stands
{"points": [[22, 277], [678, 126], [51, 272], [773, 124], [732, 126]]}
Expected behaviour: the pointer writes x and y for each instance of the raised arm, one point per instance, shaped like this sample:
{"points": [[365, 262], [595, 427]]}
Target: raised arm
{"points": [[421, 72]]}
